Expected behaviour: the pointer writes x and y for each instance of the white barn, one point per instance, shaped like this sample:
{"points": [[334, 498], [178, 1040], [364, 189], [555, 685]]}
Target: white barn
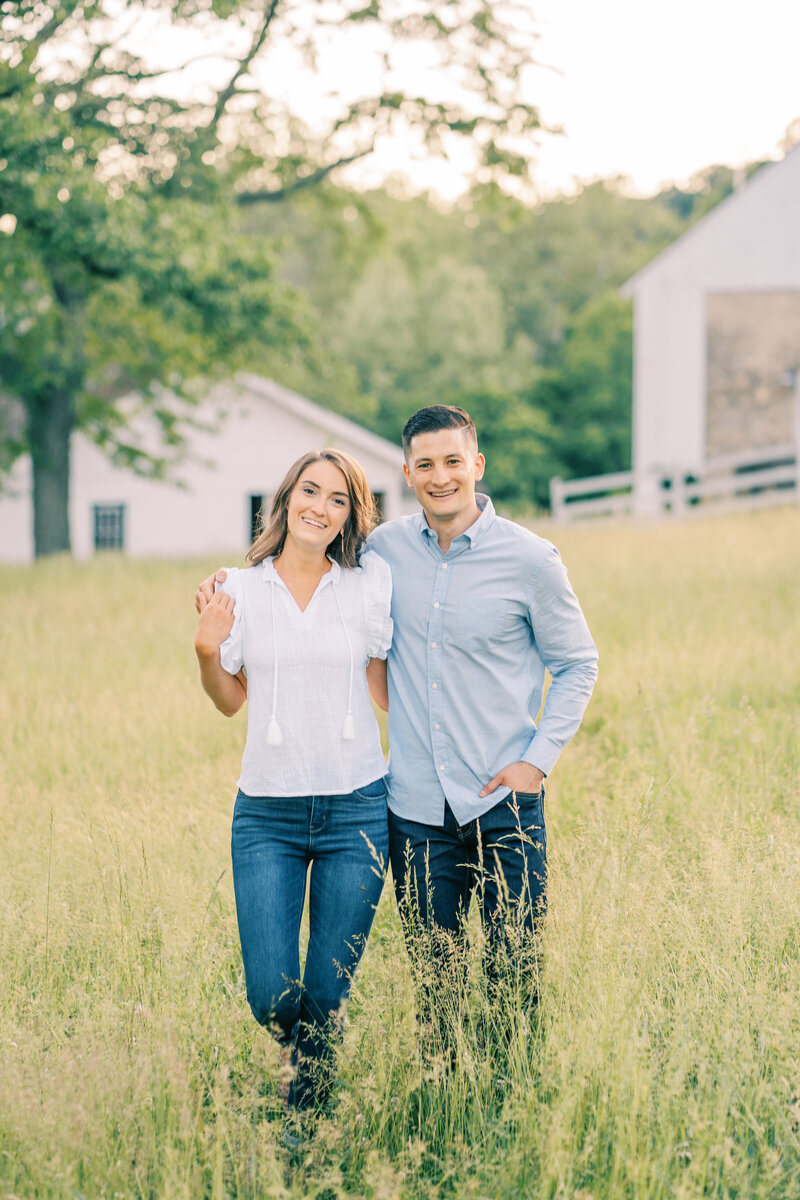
{"points": [[257, 428], [717, 337]]}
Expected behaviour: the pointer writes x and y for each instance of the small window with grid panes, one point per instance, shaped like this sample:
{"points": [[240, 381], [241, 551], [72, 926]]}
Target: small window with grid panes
{"points": [[109, 526]]}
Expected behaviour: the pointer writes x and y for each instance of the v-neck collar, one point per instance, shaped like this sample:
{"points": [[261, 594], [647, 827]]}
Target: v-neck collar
{"points": [[333, 576]]}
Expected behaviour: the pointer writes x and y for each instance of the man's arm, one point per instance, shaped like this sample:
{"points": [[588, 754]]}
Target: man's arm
{"points": [[567, 650]]}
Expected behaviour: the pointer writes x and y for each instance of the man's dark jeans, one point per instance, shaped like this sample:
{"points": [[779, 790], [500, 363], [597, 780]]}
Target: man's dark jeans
{"points": [[501, 858]]}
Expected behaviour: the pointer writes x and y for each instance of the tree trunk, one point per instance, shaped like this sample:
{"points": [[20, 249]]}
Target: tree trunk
{"points": [[51, 418]]}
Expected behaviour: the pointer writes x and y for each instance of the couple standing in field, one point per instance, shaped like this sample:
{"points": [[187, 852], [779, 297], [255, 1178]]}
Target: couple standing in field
{"points": [[449, 618]]}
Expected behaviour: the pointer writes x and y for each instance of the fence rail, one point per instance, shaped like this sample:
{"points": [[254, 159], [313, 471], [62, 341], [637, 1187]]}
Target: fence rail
{"points": [[751, 479]]}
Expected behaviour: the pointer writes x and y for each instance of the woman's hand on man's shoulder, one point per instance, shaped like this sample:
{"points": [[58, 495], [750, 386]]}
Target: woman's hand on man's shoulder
{"points": [[205, 593], [216, 622]]}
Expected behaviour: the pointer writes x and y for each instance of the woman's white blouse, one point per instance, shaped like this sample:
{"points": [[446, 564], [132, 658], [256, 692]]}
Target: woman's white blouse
{"points": [[314, 653]]}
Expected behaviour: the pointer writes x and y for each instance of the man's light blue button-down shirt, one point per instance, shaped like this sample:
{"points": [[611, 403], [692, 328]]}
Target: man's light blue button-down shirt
{"points": [[474, 630]]}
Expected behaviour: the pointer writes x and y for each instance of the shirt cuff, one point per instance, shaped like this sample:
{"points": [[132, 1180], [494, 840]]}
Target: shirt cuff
{"points": [[542, 753]]}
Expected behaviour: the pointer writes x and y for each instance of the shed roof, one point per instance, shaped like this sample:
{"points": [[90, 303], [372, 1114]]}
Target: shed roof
{"points": [[333, 423]]}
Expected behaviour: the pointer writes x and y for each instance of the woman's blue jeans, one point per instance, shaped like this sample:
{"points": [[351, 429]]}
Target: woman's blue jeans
{"points": [[340, 844]]}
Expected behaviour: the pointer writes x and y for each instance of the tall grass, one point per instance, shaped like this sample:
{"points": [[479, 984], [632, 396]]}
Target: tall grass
{"points": [[664, 1059]]}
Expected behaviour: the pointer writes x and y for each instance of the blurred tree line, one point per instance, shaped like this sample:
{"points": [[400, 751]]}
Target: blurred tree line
{"points": [[508, 309]]}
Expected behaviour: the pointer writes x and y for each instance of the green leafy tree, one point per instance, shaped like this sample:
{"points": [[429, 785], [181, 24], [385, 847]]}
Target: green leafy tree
{"points": [[550, 261], [417, 335], [124, 262], [706, 188], [586, 399], [492, 305]]}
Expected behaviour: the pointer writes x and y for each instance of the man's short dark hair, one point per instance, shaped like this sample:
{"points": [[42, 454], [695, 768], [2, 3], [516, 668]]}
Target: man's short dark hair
{"points": [[435, 417]]}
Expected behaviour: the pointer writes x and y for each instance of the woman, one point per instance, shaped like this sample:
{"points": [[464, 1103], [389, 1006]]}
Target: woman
{"points": [[300, 634]]}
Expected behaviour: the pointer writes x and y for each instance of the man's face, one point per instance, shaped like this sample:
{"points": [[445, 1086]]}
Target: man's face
{"points": [[443, 468]]}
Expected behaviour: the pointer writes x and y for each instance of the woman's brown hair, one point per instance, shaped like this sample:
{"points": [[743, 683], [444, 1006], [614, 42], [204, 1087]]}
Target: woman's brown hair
{"points": [[360, 522]]}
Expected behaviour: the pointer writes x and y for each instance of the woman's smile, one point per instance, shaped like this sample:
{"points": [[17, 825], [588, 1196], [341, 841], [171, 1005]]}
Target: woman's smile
{"points": [[319, 505]]}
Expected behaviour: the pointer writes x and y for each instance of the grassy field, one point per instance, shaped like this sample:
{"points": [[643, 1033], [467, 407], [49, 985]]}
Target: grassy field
{"points": [[665, 1060]]}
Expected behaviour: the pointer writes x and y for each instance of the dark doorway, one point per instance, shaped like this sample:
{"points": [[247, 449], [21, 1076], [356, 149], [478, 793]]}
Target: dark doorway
{"points": [[256, 503]]}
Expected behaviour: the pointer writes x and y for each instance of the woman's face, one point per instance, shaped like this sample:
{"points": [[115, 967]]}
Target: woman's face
{"points": [[319, 505]]}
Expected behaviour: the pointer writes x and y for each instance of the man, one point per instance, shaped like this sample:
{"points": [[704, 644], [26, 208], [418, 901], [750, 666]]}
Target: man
{"points": [[481, 606]]}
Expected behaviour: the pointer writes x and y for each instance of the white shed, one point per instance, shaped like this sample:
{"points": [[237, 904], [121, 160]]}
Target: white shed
{"points": [[256, 429], [717, 335]]}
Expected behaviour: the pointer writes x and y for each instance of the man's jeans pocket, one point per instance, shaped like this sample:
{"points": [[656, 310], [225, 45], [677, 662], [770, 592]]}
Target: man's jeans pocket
{"points": [[529, 797]]}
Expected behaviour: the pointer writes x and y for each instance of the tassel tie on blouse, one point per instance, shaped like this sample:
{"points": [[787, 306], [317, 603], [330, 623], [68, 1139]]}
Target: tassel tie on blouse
{"points": [[274, 735]]}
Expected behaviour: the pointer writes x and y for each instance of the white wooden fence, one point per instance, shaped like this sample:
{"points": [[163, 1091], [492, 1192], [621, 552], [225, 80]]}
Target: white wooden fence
{"points": [[751, 479]]}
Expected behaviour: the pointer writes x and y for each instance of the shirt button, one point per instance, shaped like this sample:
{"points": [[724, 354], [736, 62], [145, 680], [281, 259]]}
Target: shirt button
{"points": [[436, 604], [436, 727], [435, 685], [433, 645], [444, 566], [441, 766]]}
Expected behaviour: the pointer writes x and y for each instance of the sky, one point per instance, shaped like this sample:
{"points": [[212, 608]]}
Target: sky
{"points": [[644, 89], [656, 91]]}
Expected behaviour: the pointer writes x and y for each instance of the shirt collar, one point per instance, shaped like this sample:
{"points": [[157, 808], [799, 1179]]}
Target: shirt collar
{"points": [[476, 530], [333, 576]]}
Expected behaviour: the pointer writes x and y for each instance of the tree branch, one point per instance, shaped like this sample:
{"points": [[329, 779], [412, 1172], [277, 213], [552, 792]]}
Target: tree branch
{"points": [[270, 196], [62, 14], [133, 76], [243, 65]]}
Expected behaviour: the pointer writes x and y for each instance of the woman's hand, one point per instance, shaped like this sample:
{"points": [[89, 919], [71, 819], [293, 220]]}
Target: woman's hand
{"points": [[228, 692], [216, 622], [205, 593]]}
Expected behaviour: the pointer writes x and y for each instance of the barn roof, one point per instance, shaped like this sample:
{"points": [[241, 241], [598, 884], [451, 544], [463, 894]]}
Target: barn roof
{"points": [[764, 175]]}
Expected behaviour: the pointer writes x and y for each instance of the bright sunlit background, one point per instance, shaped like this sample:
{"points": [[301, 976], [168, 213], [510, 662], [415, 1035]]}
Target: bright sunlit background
{"points": [[650, 91], [659, 91]]}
